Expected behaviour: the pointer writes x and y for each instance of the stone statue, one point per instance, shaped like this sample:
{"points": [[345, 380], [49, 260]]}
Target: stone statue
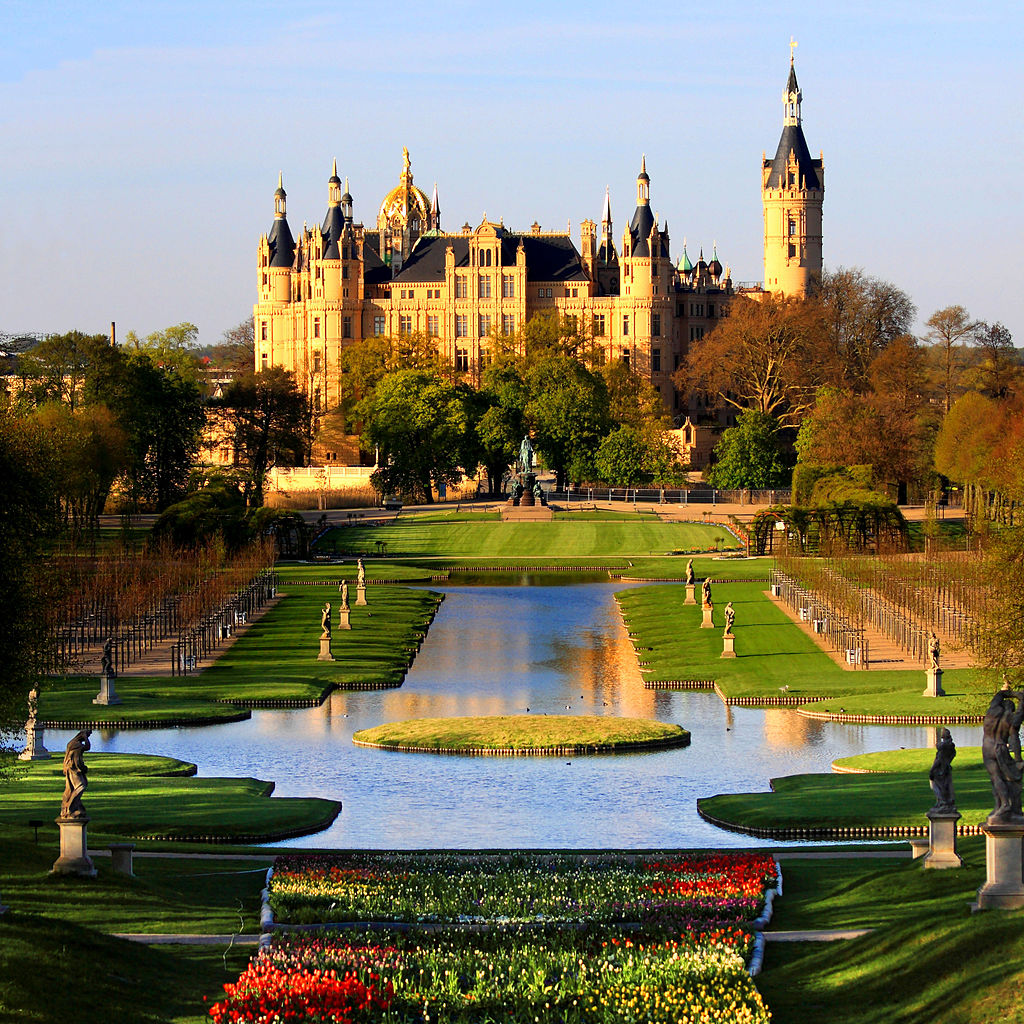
{"points": [[516, 490], [730, 618], [526, 454], [107, 660], [75, 775], [344, 593], [933, 651], [360, 573], [538, 491], [689, 572], [325, 622], [941, 775], [705, 593], [1000, 732]]}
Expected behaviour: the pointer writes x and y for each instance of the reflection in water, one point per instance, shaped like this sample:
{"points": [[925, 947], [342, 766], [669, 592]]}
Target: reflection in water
{"points": [[503, 650]]}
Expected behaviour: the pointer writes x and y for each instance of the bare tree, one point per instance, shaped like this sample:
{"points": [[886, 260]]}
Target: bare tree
{"points": [[949, 330]]}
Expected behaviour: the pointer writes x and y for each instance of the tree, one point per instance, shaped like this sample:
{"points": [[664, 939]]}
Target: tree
{"points": [[631, 457], [173, 348], [949, 330], [862, 316], [998, 371], [748, 454], [270, 416], [61, 364], [568, 414], [848, 429], [162, 414], [897, 374], [420, 424], [762, 356], [236, 351], [632, 399], [29, 516]]}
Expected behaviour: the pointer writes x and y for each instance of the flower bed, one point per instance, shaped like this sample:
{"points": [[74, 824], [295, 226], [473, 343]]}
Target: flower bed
{"points": [[520, 977], [536, 939], [456, 888]]}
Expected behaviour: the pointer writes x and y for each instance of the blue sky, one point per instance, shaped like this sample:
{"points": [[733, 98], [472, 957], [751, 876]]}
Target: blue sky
{"points": [[141, 142]]}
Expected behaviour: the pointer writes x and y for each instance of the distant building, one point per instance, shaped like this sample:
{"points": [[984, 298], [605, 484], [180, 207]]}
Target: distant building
{"points": [[342, 282]]}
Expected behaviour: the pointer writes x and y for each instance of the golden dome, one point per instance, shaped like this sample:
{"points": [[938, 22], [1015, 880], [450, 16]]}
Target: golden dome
{"points": [[405, 201]]}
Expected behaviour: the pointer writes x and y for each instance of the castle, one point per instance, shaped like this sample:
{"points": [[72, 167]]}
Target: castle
{"points": [[342, 281]]}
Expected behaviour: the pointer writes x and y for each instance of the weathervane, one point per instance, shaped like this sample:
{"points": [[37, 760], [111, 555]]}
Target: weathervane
{"points": [[792, 46]]}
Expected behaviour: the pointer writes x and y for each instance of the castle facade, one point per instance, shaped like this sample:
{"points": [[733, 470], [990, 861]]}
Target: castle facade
{"points": [[343, 281]]}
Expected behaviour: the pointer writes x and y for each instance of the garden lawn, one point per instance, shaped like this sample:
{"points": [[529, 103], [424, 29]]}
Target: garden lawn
{"points": [[852, 801], [578, 733], [562, 539], [274, 660], [772, 653], [136, 795], [54, 932], [929, 959], [913, 759]]}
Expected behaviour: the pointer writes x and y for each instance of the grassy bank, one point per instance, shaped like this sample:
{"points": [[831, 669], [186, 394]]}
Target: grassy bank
{"points": [[773, 653], [929, 959], [883, 800], [569, 538], [275, 660], [135, 795], [524, 733]]}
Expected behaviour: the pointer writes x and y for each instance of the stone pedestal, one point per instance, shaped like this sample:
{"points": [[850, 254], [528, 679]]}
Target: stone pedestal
{"points": [[108, 693], [121, 858], [344, 615], [361, 595], [942, 840], [934, 683], [34, 749], [776, 590], [729, 646], [325, 649], [690, 599], [74, 849], [1004, 882], [708, 621]]}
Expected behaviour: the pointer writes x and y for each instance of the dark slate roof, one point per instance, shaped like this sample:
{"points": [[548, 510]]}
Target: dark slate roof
{"points": [[640, 229], [548, 257], [333, 225], [375, 270], [793, 140], [791, 85], [606, 253], [282, 245]]}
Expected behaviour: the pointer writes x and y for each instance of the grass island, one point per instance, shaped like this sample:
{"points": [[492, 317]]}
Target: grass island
{"points": [[524, 734]]}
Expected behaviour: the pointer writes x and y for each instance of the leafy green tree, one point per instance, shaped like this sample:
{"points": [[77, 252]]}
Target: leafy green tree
{"points": [[997, 371], [568, 414], [29, 517], [499, 423], [270, 416], [173, 348], [748, 454], [420, 423], [632, 399], [622, 459], [57, 369]]}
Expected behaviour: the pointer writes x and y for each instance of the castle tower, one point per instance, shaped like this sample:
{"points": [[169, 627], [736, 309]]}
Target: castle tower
{"points": [[792, 193], [279, 254]]}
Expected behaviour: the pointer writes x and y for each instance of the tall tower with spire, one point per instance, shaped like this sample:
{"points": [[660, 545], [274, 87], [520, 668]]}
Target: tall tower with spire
{"points": [[792, 194]]}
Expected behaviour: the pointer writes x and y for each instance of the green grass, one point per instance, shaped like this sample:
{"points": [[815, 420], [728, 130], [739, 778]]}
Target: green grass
{"points": [[928, 960], [852, 801], [381, 570], [274, 660], [673, 567], [580, 733], [54, 933], [773, 652], [563, 539], [913, 759], [136, 795]]}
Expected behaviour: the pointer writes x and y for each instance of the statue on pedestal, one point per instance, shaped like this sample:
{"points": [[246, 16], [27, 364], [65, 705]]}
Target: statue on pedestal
{"points": [[933, 651], [689, 572], [75, 775], [360, 573], [325, 622], [344, 594], [1001, 734], [940, 777], [705, 593], [107, 660], [526, 455], [730, 618]]}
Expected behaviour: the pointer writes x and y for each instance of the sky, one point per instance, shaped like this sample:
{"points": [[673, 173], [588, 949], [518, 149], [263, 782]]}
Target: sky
{"points": [[140, 144]]}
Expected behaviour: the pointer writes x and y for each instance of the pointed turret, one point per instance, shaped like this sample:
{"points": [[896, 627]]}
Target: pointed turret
{"points": [[643, 220], [346, 205], [435, 211], [334, 221], [792, 192], [282, 245]]}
